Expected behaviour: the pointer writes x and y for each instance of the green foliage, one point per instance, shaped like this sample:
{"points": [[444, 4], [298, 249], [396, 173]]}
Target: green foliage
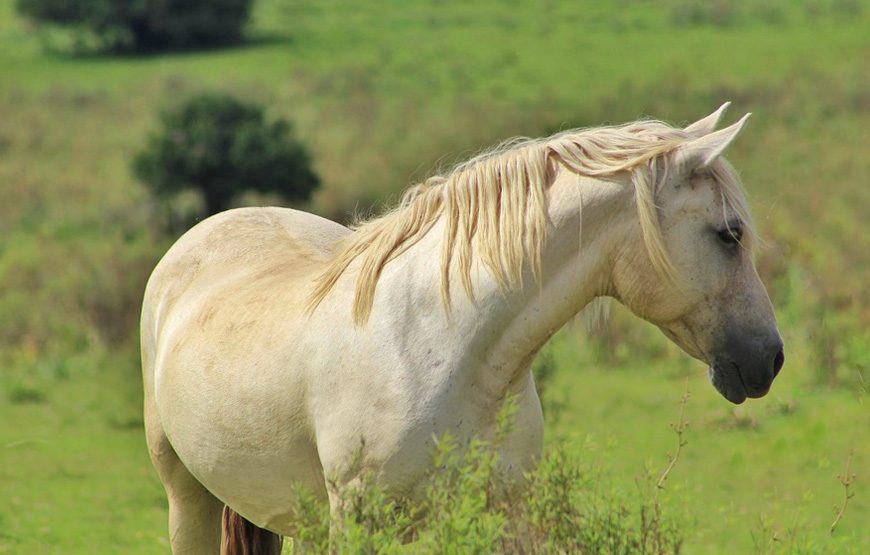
{"points": [[311, 523], [372, 522], [728, 13], [463, 511], [94, 300], [145, 25], [222, 146], [567, 514], [468, 507], [466, 510]]}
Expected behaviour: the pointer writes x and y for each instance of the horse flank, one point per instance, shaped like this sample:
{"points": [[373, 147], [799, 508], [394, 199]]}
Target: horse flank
{"points": [[494, 207]]}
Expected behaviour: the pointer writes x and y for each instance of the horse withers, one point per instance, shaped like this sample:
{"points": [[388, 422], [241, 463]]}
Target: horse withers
{"points": [[280, 349]]}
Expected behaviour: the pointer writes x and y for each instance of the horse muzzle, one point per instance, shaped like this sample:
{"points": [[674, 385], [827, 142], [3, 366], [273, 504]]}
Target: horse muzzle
{"points": [[744, 372]]}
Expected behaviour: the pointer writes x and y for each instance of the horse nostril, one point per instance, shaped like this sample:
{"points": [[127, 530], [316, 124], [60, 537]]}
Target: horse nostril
{"points": [[778, 361]]}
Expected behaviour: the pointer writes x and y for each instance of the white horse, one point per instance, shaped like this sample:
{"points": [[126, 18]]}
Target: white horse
{"points": [[279, 347]]}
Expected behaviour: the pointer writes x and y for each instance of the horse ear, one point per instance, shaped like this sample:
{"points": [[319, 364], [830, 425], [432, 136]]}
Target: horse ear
{"points": [[708, 124], [703, 151]]}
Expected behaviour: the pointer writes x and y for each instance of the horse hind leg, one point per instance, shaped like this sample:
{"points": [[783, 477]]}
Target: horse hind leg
{"points": [[194, 513], [196, 522]]}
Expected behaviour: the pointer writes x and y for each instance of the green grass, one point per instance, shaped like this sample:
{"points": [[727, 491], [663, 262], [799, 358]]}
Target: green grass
{"points": [[74, 471], [75, 474], [767, 468], [383, 96]]}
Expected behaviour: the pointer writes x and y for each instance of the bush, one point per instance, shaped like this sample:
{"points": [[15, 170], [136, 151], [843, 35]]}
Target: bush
{"points": [[560, 510], [146, 25], [466, 509], [221, 146]]}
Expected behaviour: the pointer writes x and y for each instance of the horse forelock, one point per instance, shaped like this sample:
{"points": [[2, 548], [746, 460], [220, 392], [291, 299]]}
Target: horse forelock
{"points": [[494, 207]]}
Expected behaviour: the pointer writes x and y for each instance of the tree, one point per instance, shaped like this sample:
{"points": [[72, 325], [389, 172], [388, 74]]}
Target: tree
{"points": [[222, 146], [145, 25]]}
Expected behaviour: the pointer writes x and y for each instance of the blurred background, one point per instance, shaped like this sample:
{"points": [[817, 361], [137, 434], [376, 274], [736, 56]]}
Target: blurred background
{"points": [[110, 117]]}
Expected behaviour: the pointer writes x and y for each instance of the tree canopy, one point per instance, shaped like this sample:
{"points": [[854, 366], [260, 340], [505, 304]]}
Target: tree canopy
{"points": [[145, 25], [222, 146]]}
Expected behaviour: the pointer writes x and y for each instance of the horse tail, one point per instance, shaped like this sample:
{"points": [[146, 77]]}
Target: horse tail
{"points": [[242, 537]]}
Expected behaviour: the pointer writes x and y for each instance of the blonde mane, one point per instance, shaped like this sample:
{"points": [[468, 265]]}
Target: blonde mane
{"points": [[495, 207]]}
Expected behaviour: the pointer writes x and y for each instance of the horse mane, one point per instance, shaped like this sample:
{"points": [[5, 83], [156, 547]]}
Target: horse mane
{"points": [[494, 206]]}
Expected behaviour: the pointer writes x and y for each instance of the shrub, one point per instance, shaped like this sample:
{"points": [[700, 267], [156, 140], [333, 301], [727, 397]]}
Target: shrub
{"points": [[691, 13], [221, 146], [560, 509], [145, 25]]}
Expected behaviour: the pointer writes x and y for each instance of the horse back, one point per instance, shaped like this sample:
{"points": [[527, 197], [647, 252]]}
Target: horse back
{"points": [[243, 248]]}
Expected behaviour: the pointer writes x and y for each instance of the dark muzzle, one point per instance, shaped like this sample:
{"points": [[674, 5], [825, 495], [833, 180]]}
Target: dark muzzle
{"points": [[746, 366]]}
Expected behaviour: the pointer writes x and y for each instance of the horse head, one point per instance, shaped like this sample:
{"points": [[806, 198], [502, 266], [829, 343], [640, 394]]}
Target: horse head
{"points": [[705, 293]]}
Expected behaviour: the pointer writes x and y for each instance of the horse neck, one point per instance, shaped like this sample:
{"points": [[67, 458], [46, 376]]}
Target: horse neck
{"points": [[589, 220], [498, 333]]}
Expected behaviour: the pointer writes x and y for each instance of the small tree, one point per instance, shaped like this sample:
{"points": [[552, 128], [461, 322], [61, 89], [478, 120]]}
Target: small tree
{"points": [[222, 146], [145, 25]]}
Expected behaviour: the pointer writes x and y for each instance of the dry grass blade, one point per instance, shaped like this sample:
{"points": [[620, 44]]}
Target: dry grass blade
{"points": [[846, 480], [679, 428]]}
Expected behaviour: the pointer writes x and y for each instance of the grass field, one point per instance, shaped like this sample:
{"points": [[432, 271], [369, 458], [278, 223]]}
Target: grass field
{"points": [[383, 96]]}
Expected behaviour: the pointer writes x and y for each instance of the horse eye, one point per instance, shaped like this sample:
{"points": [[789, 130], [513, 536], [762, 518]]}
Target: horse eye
{"points": [[731, 235]]}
